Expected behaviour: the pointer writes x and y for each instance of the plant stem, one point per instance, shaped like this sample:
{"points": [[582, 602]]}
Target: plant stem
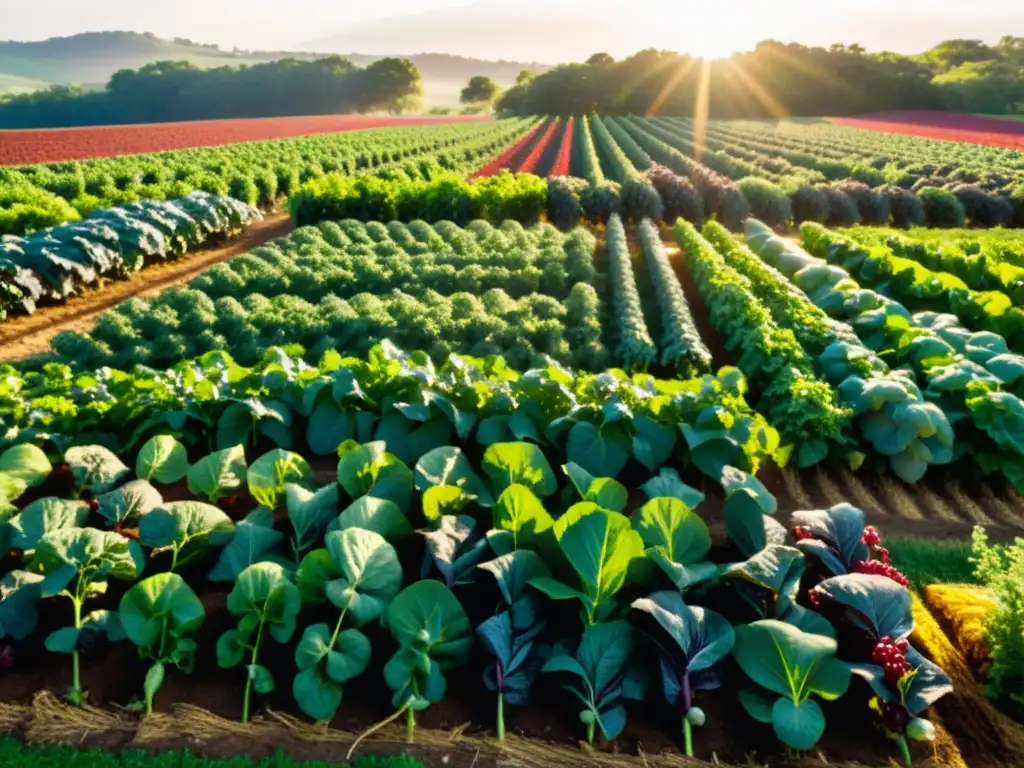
{"points": [[410, 727], [248, 676], [905, 749], [688, 736], [174, 558], [590, 733], [501, 717], [337, 628], [76, 683]]}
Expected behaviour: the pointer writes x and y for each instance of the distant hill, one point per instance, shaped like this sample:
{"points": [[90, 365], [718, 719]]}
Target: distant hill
{"points": [[91, 58]]}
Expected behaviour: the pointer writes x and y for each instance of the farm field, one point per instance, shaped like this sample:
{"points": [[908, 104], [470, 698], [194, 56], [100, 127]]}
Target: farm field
{"points": [[525, 442], [975, 129], [19, 147]]}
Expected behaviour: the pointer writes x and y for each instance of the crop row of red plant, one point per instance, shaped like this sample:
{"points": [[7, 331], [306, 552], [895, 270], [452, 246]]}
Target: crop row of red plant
{"points": [[532, 163], [512, 158], [947, 126], [563, 162], [54, 145]]}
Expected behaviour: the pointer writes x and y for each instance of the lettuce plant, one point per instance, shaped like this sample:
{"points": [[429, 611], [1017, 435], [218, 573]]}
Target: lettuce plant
{"points": [[158, 614], [76, 563], [690, 642], [269, 476], [220, 474], [600, 546], [599, 666], [162, 460], [789, 666], [266, 600], [96, 469], [434, 636], [359, 573]]}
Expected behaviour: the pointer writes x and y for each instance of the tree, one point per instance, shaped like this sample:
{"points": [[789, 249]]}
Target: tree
{"points": [[600, 60], [524, 77], [481, 90]]}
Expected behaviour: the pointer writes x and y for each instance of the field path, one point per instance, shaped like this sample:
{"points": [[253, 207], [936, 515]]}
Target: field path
{"points": [[28, 335]]}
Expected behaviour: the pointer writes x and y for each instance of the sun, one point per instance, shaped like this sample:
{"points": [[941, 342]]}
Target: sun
{"points": [[711, 44]]}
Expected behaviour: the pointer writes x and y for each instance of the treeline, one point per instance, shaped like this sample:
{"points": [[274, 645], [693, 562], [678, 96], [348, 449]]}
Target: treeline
{"points": [[177, 90], [783, 79]]}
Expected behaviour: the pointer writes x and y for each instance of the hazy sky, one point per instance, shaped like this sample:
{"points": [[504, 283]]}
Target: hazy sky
{"points": [[539, 30]]}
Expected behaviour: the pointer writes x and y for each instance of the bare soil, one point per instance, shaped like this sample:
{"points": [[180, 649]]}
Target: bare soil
{"points": [[29, 335]]}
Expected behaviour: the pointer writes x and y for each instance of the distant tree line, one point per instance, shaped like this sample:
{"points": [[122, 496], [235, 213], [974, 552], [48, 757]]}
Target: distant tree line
{"points": [[783, 79], [178, 90]]}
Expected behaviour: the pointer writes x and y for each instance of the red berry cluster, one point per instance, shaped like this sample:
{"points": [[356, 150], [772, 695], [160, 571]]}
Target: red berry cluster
{"points": [[871, 537], [800, 533], [891, 656], [880, 568], [816, 599]]}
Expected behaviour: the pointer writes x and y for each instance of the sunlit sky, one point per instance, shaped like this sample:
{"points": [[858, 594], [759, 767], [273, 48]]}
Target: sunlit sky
{"points": [[535, 30]]}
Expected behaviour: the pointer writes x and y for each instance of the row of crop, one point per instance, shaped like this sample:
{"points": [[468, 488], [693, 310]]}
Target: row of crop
{"points": [[54, 264], [844, 201], [874, 158], [918, 287], [513, 157], [507, 534], [971, 377], [34, 197], [318, 290]]}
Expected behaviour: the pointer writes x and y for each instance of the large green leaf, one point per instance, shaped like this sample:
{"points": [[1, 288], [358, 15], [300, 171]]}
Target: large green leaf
{"points": [[602, 451], [652, 442], [45, 515], [521, 513], [668, 483], [220, 474], [377, 515], [310, 514], [798, 725], [163, 460], [20, 593], [606, 492], [263, 593], [26, 463], [776, 568], [129, 503], [157, 613], [428, 616], [669, 523], [519, 463], [361, 573], [448, 466], [703, 637], [745, 521], [272, 472], [187, 528], [513, 572], [369, 470], [876, 604], [93, 555], [253, 542], [733, 479], [95, 468]]}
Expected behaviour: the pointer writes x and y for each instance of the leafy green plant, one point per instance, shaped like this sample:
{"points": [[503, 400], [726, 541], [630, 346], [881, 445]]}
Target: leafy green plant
{"points": [[690, 642], [789, 666], [522, 514], [124, 507], [43, 516], [455, 547], [676, 540], [369, 470], [95, 468], [158, 614], [253, 542], [599, 664], [186, 529], [163, 460], [220, 474], [510, 636], [76, 563], [266, 600], [434, 636], [1001, 569], [270, 474], [310, 513], [600, 546], [519, 463], [359, 573], [22, 467]]}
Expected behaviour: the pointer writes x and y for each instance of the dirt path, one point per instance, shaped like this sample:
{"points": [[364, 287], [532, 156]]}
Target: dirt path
{"points": [[29, 335]]}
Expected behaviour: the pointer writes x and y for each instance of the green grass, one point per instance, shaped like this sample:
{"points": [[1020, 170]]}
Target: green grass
{"points": [[927, 561], [15, 754], [1002, 117]]}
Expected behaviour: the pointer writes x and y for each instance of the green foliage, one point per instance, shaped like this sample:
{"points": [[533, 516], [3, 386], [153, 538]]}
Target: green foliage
{"points": [[927, 561], [1001, 570], [941, 208], [768, 202]]}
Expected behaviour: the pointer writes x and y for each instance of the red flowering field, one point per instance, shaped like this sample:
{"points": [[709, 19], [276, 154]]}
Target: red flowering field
{"points": [[51, 145], [949, 126]]}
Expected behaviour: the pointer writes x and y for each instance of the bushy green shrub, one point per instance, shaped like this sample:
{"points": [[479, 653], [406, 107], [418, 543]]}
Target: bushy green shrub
{"points": [[809, 204], [640, 200], [29, 209], [1001, 569], [678, 196], [600, 201], [872, 207], [1017, 203], [564, 206], [942, 209], [519, 197], [842, 211], [907, 210], [983, 209], [768, 202]]}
